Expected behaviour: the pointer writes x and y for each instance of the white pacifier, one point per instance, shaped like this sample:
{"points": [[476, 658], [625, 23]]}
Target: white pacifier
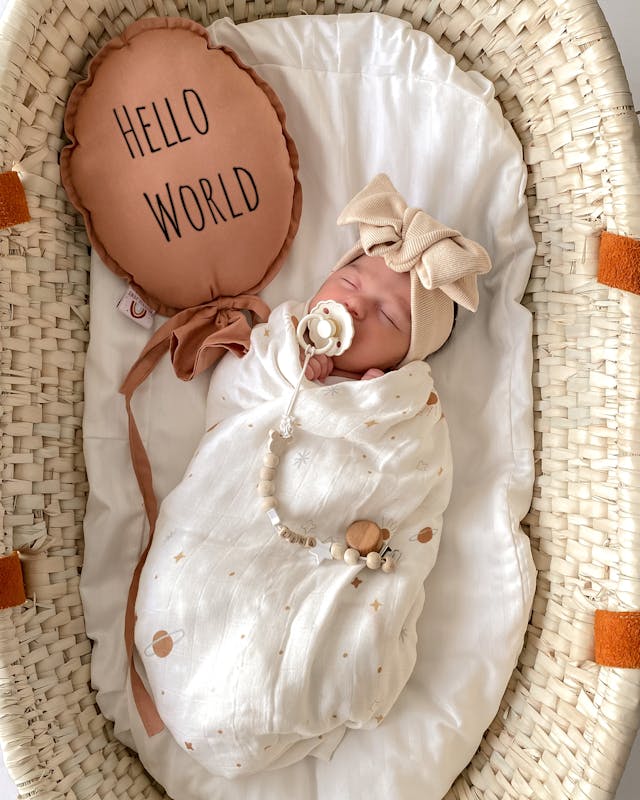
{"points": [[329, 327]]}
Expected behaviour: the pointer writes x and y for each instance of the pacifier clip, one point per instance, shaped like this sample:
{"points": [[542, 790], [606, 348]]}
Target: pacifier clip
{"points": [[326, 330]]}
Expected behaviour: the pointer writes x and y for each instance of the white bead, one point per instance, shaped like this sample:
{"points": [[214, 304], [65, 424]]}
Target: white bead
{"points": [[276, 443], [373, 560], [268, 504], [267, 474], [388, 564], [266, 488], [337, 551], [351, 556], [270, 460]]}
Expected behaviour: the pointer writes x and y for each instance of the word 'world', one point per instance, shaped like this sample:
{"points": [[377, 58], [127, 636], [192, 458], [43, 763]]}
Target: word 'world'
{"points": [[220, 200]]}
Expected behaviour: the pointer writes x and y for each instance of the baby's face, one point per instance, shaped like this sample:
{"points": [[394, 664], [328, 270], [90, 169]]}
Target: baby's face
{"points": [[379, 300]]}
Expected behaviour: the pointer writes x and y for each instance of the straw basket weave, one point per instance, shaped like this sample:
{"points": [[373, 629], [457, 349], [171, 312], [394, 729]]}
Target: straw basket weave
{"points": [[566, 724]]}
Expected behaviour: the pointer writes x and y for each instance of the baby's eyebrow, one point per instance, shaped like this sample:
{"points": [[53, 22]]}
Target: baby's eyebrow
{"points": [[404, 307]]}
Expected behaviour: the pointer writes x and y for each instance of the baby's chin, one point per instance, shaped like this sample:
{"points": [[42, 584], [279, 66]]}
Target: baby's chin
{"points": [[354, 366]]}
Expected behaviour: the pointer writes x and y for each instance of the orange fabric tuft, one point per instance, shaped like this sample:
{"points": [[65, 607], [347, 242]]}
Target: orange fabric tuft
{"points": [[617, 638], [11, 582], [619, 262], [13, 201]]}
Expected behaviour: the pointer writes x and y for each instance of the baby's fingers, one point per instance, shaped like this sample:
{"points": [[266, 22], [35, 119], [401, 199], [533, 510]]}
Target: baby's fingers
{"points": [[318, 368], [326, 367], [313, 369], [372, 373]]}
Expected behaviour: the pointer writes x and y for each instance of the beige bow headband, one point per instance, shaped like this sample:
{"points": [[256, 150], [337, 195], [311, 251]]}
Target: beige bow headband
{"points": [[443, 264]]}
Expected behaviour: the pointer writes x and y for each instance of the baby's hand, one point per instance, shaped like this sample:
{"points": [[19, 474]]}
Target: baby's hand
{"points": [[319, 368], [372, 373]]}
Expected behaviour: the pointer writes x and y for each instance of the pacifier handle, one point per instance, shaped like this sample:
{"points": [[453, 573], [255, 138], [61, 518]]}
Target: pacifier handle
{"points": [[329, 327]]}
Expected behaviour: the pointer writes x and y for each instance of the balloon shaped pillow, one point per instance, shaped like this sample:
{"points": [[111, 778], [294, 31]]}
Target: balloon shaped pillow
{"points": [[181, 166]]}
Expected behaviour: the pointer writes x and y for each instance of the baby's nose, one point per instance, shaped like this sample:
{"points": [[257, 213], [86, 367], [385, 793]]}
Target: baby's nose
{"points": [[356, 306]]}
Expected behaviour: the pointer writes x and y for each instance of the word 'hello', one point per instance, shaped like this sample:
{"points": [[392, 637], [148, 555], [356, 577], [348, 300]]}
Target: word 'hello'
{"points": [[162, 124], [202, 203]]}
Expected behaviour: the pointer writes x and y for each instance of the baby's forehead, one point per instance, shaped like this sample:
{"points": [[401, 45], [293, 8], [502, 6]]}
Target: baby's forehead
{"points": [[396, 284]]}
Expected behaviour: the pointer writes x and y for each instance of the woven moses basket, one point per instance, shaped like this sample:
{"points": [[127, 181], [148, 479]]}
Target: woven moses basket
{"points": [[566, 724]]}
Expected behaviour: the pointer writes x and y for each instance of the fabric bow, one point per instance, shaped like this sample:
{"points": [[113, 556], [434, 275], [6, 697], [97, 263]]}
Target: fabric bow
{"points": [[409, 239]]}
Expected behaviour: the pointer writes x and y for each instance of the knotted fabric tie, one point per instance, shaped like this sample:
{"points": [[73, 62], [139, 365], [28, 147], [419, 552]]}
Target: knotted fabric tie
{"points": [[196, 338], [439, 258]]}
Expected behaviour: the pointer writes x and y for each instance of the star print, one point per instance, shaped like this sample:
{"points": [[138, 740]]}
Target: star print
{"points": [[440, 471], [170, 535], [188, 745], [333, 390], [356, 582], [370, 423], [422, 466], [302, 457], [179, 557], [309, 527], [403, 634], [267, 332], [375, 605], [379, 718]]}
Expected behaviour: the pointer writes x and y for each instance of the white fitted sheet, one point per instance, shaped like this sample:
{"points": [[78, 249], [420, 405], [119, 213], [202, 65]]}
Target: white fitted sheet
{"points": [[363, 94]]}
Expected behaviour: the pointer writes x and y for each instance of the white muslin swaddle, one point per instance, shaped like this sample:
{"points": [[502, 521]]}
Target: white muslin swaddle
{"points": [[255, 654]]}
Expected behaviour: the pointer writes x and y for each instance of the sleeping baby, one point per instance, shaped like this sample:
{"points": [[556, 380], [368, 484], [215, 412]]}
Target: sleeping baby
{"points": [[259, 646]]}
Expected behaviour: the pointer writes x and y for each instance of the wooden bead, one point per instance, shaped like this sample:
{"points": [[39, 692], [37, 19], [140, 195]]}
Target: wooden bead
{"points": [[311, 542], [269, 502], [373, 560], [351, 556], [270, 460], [266, 488], [267, 474], [337, 551], [276, 443], [388, 564], [364, 536]]}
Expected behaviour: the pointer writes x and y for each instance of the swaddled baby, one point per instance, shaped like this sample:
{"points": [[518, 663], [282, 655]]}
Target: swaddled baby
{"points": [[257, 650]]}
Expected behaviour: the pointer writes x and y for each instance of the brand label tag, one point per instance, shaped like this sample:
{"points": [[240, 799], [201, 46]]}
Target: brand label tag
{"points": [[134, 307]]}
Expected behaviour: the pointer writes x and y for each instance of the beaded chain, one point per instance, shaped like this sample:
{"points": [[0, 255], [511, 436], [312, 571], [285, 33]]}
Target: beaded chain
{"points": [[377, 553]]}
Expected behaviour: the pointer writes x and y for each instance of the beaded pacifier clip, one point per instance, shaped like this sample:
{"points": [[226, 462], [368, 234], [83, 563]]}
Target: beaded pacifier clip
{"points": [[327, 329]]}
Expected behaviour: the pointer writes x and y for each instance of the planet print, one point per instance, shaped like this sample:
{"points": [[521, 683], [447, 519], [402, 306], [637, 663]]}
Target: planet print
{"points": [[425, 535], [162, 643]]}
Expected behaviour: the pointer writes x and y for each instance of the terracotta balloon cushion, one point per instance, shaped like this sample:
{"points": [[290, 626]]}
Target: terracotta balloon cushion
{"points": [[181, 165]]}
